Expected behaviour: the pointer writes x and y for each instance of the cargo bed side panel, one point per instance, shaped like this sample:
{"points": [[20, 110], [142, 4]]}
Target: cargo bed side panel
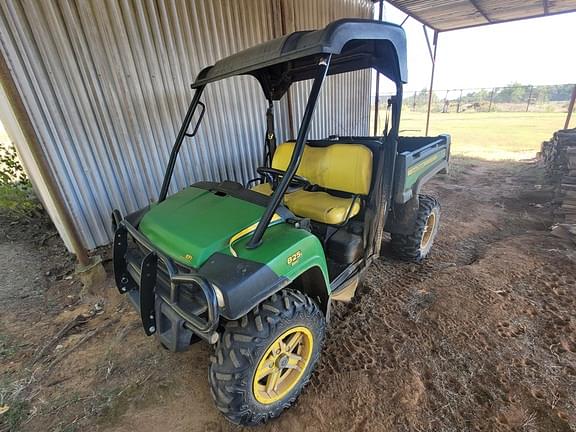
{"points": [[422, 158]]}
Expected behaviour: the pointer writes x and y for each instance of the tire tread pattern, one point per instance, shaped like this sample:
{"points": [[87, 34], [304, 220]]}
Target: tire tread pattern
{"points": [[239, 349], [407, 246]]}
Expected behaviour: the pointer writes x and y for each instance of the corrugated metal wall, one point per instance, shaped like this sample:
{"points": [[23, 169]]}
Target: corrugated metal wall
{"points": [[344, 105], [106, 85]]}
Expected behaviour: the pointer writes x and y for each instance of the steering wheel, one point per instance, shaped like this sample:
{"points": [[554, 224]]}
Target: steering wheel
{"points": [[274, 176]]}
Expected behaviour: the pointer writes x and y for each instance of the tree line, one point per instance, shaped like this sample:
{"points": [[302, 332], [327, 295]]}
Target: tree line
{"points": [[512, 93]]}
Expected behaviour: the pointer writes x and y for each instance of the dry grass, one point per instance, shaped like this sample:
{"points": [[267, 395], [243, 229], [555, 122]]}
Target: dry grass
{"points": [[490, 136]]}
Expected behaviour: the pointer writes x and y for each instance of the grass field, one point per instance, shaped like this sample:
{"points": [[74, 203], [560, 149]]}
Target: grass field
{"points": [[493, 136]]}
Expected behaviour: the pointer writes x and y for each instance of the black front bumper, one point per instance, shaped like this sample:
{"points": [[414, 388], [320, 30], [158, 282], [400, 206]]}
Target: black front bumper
{"points": [[174, 302]]}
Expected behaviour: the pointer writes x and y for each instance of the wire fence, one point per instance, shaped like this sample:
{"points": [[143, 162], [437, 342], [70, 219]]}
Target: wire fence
{"points": [[511, 98]]}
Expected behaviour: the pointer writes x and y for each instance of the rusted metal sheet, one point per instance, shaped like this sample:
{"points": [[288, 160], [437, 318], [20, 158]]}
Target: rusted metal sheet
{"points": [[106, 85]]}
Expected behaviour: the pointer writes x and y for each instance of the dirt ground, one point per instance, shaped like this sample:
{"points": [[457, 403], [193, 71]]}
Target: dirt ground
{"points": [[480, 337]]}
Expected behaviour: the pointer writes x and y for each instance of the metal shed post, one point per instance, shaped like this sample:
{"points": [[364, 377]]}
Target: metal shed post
{"points": [[433, 58], [377, 96]]}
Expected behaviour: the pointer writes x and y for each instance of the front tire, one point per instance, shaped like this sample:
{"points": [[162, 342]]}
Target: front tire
{"points": [[263, 360], [416, 245]]}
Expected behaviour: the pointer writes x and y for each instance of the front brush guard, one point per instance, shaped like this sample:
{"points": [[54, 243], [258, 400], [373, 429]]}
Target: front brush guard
{"points": [[140, 281]]}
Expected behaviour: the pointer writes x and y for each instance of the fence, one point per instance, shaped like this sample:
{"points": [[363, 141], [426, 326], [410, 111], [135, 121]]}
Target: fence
{"points": [[511, 98]]}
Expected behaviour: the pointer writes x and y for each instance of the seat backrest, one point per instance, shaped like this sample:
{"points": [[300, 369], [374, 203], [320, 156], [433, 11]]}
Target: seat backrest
{"points": [[341, 167]]}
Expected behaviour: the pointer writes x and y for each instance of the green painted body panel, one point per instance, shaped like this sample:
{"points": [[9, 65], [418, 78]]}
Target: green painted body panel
{"points": [[414, 172], [282, 242], [193, 224], [196, 223]]}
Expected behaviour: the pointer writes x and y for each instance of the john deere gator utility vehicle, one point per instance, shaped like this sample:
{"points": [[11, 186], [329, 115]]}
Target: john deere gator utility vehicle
{"points": [[252, 269]]}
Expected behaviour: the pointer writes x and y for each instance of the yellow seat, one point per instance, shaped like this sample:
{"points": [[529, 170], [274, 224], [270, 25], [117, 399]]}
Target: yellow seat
{"points": [[322, 207], [263, 188], [339, 167]]}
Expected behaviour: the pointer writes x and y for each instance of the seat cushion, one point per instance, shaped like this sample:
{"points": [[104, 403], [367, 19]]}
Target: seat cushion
{"points": [[263, 188], [318, 206], [321, 206], [341, 167]]}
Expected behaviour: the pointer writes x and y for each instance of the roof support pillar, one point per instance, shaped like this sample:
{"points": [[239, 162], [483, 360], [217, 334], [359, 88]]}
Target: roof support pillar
{"points": [[570, 108], [433, 58], [278, 194], [286, 25], [377, 95]]}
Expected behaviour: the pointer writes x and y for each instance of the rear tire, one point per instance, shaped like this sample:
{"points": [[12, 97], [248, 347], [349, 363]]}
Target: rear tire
{"points": [[416, 246], [244, 389]]}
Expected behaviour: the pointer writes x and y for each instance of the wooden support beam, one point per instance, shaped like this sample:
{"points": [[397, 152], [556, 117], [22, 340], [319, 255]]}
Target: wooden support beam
{"points": [[480, 10], [38, 155]]}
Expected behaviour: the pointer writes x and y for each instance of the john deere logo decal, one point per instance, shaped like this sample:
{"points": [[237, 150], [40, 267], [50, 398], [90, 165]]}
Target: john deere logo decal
{"points": [[188, 257], [294, 258]]}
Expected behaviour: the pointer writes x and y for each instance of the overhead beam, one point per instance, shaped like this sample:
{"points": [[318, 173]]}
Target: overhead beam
{"points": [[445, 23], [481, 11], [407, 12], [509, 20]]}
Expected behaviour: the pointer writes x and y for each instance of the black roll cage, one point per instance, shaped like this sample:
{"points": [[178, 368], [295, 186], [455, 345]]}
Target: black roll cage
{"points": [[316, 66]]}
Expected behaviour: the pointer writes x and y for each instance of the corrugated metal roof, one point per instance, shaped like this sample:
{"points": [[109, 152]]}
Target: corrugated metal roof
{"points": [[445, 15], [106, 85]]}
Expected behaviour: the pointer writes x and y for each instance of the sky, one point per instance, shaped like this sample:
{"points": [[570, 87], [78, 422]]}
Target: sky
{"points": [[536, 51]]}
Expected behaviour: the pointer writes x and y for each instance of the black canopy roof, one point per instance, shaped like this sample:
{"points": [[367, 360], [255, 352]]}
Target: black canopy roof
{"points": [[354, 44]]}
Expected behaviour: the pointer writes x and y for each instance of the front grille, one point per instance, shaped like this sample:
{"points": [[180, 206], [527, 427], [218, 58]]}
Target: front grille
{"points": [[190, 297]]}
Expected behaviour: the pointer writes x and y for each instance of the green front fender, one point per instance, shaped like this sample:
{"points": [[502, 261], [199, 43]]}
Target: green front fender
{"points": [[287, 251]]}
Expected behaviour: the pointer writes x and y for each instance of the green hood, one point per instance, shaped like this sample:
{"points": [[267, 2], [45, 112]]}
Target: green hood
{"points": [[194, 223]]}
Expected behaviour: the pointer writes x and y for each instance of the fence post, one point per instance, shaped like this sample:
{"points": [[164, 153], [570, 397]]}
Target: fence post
{"points": [[529, 98], [570, 108], [491, 99], [459, 101]]}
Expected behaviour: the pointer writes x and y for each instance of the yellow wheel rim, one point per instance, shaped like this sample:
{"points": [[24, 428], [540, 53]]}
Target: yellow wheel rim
{"points": [[282, 365], [428, 230]]}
